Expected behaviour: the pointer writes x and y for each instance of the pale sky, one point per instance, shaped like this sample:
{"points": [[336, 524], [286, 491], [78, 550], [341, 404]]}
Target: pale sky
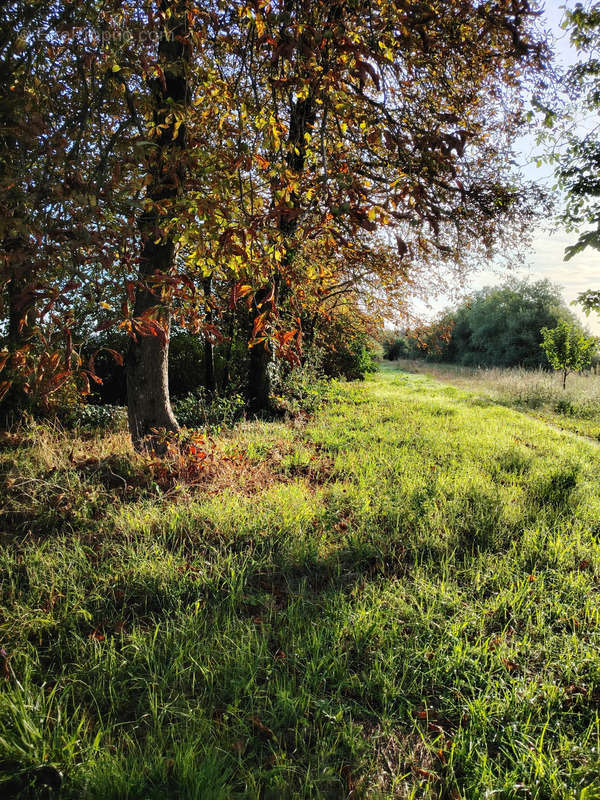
{"points": [[546, 258]]}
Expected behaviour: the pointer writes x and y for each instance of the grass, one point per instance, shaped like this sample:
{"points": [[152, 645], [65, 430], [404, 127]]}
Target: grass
{"points": [[397, 599], [538, 392]]}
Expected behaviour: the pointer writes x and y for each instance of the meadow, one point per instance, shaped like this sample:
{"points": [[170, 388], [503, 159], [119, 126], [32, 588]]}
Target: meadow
{"points": [[396, 597], [535, 391]]}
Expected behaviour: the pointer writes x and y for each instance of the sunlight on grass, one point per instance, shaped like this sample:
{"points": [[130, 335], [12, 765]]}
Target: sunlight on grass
{"points": [[405, 606], [538, 392]]}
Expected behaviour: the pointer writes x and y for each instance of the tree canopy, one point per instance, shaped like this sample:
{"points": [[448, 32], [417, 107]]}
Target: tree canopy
{"points": [[498, 326], [567, 349], [258, 171], [578, 164]]}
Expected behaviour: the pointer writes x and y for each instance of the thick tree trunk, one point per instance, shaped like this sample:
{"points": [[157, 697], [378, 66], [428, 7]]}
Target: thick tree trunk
{"points": [[259, 383], [148, 401]]}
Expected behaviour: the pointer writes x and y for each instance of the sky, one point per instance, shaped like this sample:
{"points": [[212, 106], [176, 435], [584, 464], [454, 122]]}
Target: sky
{"points": [[546, 257]]}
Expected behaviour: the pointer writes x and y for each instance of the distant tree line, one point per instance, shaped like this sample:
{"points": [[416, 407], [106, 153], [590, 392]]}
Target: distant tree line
{"points": [[496, 327]]}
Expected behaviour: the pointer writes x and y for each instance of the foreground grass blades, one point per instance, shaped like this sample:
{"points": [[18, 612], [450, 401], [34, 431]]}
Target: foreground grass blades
{"points": [[406, 605]]}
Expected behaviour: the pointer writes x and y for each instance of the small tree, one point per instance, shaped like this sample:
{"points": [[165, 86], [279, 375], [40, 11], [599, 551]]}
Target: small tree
{"points": [[567, 349]]}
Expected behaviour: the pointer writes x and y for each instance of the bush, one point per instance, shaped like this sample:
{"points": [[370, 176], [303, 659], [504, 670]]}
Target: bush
{"points": [[351, 359], [299, 388], [499, 326], [186, 366], [94, 417], [396, 345], [199, 410], [186, 363]]}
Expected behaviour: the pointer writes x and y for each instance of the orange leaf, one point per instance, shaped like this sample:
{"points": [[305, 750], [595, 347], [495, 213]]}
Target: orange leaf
{"points": [[259, 324], [262, 162]]}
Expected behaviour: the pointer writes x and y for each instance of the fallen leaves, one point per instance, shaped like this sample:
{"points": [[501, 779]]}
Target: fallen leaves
{"points": [[263, 731]]}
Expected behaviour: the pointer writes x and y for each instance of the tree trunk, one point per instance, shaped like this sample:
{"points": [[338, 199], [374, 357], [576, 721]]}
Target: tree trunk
{"points": [[259, 383], [302, 116], [148, 401], [209, 355], [228, 353], [564, 379]]}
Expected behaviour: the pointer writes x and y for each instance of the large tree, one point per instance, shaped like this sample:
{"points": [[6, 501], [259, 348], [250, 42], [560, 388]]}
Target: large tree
{"points": [[381, 115], [147, 359], [500, 326], [293, 155]]}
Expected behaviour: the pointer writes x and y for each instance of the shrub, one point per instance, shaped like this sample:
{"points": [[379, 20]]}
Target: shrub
{"points": [[499, 326], [397, 345], [299, 388], [351, 359], [94, 417], [199, 410], [186, 366], [186, 363]]}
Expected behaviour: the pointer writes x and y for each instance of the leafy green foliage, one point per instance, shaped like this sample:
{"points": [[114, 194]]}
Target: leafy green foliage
{"points": [[499, 326], [248, 166], [578, 167], [200, 410], [398, 345], [351, 359], [302, 387], [567, 349], [95, 417]]}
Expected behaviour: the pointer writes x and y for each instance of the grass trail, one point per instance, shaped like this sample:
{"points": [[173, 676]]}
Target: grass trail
{"points": [[404, 605], [538, 393]]}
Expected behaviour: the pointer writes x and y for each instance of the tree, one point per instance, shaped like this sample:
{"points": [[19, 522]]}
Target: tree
{"points": [[148, 401], [252, 168], [383, 115], [567, 349], [578, 165], [42, 217], [499, 326]]}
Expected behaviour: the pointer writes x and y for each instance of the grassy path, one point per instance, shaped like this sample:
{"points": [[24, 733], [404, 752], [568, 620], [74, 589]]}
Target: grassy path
{"points": [[537, 393], [399, 599]]}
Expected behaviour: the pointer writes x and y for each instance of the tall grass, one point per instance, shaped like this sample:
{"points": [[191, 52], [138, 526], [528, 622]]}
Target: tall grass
{"points": [[577, 407]]}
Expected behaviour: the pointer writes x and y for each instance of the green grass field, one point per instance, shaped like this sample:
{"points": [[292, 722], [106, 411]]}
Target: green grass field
{"points": [[537, 392], [395, 599]]}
